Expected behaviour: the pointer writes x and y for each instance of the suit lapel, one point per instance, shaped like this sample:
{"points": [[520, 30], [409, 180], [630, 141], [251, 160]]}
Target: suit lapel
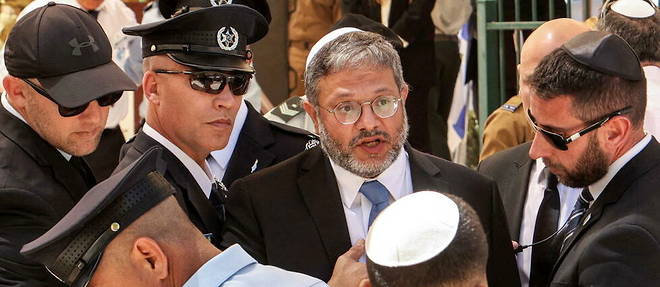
{"points": [[184, 181], [251, 148], [514, 202], [43, 153], [319, 190], [627, 175], [425, 175]]}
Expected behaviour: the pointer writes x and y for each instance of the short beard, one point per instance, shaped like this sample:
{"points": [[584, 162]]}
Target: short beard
{"points": [[344, 157], [590, 167]]}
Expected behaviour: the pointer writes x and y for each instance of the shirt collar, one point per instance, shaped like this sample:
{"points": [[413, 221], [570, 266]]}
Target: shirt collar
{"points": [[350, 183], [223, 156], [221, 267], [597, 187], [202, 175], [14, 112]]}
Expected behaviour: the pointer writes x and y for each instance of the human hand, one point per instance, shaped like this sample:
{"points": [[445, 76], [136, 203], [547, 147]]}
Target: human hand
{"points": [[348, 271]]}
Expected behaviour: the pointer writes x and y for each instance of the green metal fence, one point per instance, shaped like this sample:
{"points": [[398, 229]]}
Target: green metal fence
{"points": [[491, 26]]}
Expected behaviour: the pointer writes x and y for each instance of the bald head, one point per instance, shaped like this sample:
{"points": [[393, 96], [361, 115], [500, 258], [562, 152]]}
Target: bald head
{"points": [[545, 39]]}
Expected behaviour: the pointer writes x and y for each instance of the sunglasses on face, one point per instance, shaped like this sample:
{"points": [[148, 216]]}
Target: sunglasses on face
{"points": [[560, 142], [213, 82], [349, 112], [103, 101]]}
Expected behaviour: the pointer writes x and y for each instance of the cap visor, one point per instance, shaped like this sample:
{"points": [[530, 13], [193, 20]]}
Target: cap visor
{"points": [[213, 62], [78, 88]]}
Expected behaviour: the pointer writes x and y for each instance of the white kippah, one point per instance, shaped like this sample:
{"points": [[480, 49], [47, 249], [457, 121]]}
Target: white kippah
{"points": [[327, 39], [413, 229], [633, 8]]}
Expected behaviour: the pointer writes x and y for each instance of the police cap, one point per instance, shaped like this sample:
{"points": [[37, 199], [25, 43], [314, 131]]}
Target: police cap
{"points": [[213, 38], [72, 249], [169, 8]]}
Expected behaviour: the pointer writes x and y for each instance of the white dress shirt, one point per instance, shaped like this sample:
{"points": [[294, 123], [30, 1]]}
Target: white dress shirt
{"points": [[202, 175], [357, 207], [11, 110], [219, 159], [113, 16], [652, 115], [538, 181]]}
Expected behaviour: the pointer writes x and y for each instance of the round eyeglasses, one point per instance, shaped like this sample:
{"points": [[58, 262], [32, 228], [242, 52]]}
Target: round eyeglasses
{"points": [[349, 112]]}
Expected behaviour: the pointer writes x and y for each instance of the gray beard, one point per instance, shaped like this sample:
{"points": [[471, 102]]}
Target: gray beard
{"points": [[343, 157]]}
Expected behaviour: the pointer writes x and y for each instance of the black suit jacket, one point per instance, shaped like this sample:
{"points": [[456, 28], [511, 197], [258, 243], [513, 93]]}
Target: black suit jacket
{"points": [[619, 245], [38, 186], [291, 215], [265, 143], [510, 169], [188, 193]]}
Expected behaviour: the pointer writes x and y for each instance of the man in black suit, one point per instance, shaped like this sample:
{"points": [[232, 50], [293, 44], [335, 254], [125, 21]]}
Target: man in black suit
{"points": [[194, 87], [523, 182], [587, 106], [410, 20], [61, 83], [302, 214]]}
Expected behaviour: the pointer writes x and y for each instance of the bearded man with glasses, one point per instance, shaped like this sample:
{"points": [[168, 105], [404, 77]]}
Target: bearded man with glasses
{"points": [[60, 86], [302, 214], [587, 107]]}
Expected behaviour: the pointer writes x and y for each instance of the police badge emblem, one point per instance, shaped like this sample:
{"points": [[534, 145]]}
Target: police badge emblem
{"points": [[220, 2], [227, 38]]}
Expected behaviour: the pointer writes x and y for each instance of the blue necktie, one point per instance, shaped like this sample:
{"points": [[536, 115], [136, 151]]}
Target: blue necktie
{"points": [[575, 219], [377, 195]]}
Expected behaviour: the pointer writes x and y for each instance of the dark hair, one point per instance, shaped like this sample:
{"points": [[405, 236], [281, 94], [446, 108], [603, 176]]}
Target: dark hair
{"points": [[464, 259], [642, 34], [594, 94]]}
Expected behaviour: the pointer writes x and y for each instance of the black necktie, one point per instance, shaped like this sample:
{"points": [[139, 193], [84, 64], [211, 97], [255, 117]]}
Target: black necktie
{"points": [[218, 197], [577, 215], [544, 255], [94, 13], [81, 166]]}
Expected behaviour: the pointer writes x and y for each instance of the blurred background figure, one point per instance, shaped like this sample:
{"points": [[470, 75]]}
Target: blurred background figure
{"points": [[427, 239]]}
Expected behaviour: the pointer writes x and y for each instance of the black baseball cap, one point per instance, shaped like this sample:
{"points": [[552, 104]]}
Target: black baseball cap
{"points": [[72, 249], [606, 53], [169, 8], [68, 52], [213, 38]]}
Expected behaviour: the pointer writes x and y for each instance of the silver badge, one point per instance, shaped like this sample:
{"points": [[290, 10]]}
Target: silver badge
{"points": [[220, 2], [311, 144], [227, 38]]}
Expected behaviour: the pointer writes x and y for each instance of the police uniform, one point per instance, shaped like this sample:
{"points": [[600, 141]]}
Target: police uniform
{"points": [[39, 184], [72, 249], [506, 127], [213, 38]]}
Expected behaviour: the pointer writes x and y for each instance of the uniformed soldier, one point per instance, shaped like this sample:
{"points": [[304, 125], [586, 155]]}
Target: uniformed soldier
{"points": [[130, 231], [506, 127], [61, 83]]}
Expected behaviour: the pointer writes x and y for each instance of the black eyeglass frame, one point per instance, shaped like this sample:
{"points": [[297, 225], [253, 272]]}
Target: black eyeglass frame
{"points": [[236, 91], [397, 101], [560, 142], [105, 100]]}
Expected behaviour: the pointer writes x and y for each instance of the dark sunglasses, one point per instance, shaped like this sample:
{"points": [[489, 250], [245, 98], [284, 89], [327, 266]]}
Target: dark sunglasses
{"points": [[561, 142], [213, 82], [103, 101]]}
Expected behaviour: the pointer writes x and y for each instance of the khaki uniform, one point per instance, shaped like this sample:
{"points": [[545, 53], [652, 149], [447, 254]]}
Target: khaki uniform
{"points": [[506, 127], [308, 22]]}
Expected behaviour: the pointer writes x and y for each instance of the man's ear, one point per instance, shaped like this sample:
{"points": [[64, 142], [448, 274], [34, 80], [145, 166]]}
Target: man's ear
{"points": [[365, 283], [615, 132], [404, 93], [16, 92], [150, 87], [309, 108], [148, 256]]}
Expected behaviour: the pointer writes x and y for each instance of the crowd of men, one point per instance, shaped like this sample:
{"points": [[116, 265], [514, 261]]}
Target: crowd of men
{"points": [[211, 193]]}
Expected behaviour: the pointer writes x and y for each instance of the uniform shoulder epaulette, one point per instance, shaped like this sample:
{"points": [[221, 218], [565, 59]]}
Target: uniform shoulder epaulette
{"points": [[512, 104], [289, 109], [312, 139]]}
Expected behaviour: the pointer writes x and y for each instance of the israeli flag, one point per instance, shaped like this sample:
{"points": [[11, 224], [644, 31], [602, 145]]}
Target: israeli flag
{"points": [[461, 104]]}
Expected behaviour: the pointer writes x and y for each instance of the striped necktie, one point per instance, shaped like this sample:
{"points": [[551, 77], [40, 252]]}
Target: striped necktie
{"points": [[575, 219], [378, 196]]}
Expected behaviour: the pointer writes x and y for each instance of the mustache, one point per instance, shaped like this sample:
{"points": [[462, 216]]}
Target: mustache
{"points": [[365, 134]]}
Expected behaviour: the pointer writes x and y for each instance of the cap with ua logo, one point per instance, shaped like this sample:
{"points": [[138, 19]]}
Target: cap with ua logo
{"points": [[67, 51]]}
